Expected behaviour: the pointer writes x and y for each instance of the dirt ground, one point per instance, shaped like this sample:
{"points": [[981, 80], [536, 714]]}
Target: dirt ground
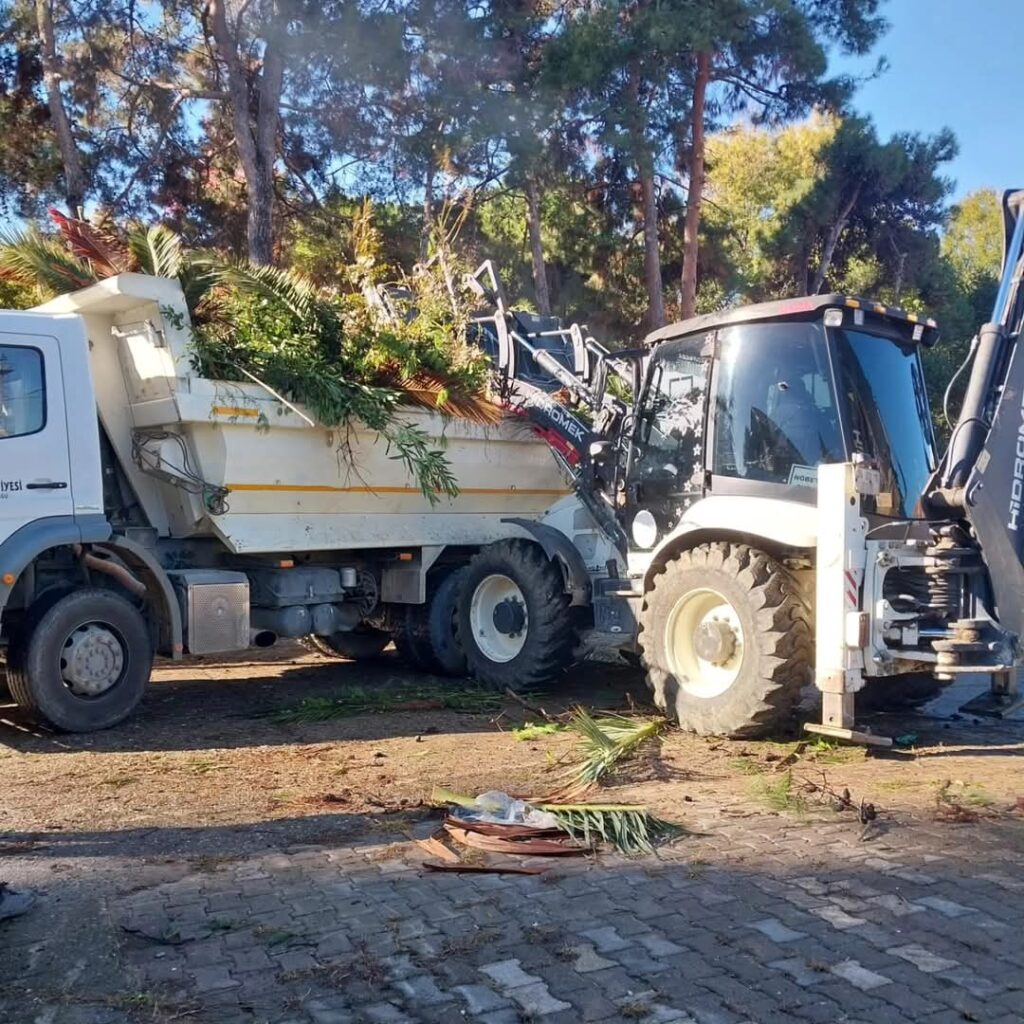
{"points": [[208, 751]]}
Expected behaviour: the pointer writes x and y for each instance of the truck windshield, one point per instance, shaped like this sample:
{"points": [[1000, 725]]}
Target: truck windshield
{"points": [[889, 415]]}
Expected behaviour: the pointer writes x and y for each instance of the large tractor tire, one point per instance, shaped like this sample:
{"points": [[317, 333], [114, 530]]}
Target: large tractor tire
{"points": [[726, 641], [361, 644], [515, 623], [83, 663]]}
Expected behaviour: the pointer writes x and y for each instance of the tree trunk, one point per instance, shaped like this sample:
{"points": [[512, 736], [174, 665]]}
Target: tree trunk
{"points": [[74, 176], [652, 256], [428, 209], [540, 270], [691, 228], [832, 240], [256, 144]]}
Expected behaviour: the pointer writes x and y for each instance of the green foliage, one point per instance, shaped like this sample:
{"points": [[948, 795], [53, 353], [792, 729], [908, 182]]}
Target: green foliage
{"points": [[630, 828], [606, 741], [358, 700], [530, 731]]}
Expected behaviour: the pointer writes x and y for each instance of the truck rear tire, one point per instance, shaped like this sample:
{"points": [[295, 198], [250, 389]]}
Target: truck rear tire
{"points": [[360, 644], [515, 622], [726, 641], [82, 664], [427, 635]]}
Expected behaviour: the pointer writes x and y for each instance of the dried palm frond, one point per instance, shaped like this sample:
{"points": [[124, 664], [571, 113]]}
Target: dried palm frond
{"points": [[432, 390], [32, 258], [102, 250], [606, 741], [630, 828]]}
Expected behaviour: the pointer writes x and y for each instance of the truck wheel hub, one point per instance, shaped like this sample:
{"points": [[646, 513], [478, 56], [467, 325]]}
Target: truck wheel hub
{"points": [[499, 618], [92, 660], [714, 641], [509, 617], [704, 643]]}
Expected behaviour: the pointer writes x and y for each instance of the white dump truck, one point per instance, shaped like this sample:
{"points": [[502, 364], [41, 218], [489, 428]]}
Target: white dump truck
{"points": [[193, 516]]}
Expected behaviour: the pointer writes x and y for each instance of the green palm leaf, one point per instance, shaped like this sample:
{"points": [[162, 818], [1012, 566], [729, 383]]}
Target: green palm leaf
{"points": [[605, 741], [32, 258], [157, 251]]}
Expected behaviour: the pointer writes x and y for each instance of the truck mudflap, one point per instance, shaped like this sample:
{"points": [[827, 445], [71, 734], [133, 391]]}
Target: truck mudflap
{"points": [[995, 500], [32, 539]]}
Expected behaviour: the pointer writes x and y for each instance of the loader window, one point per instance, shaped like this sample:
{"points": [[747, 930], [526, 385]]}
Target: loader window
{"points": [[668, 471], [776, 418], [889, 414], [22, 391]]}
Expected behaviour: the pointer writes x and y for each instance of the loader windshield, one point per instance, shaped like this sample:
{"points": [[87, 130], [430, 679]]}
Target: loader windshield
{"points": [[889, 414]]}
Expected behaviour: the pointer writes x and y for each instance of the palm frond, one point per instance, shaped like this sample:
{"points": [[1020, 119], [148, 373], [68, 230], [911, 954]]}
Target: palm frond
{"points": [[604, 742], [156, 250], [432, 390], [102, 250], [32, 258], [630, 828], [293, 291]]}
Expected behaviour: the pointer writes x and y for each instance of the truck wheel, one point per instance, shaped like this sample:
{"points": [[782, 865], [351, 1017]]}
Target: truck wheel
{"points": [[412, 637], [84, 663], [361, 644], [426, 635], [725, 640], [514, 620], [443, 626]]}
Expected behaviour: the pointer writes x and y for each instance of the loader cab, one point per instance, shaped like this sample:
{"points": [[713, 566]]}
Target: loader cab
{"points": [[750, 402]]}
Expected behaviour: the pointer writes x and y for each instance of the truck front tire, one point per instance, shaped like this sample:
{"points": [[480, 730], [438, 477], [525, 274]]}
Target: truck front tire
{"points": [[726, 641], [515, 622], [82, 664]]}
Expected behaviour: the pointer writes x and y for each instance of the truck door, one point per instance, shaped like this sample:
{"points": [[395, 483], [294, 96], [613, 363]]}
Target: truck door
{"points": [[35, 470]]}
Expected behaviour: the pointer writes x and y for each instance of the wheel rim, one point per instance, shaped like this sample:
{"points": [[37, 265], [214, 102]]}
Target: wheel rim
{"points": [[498, 617], [93, 659], [705, 644]]}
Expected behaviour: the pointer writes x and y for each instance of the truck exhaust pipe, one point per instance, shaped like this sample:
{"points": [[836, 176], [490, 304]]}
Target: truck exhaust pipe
{"points": [[262, 638]]}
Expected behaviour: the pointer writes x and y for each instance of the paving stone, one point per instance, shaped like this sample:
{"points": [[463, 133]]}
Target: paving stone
{"points": [[859, 976], [209, 979], [838, 917], [896, 905], [606, 939], [945, 907], [797, 967], [586, 960], [508, 974], [923, 959], [480, 999], [386, 1013], [536, 999], [658, 945], [777, 931]]}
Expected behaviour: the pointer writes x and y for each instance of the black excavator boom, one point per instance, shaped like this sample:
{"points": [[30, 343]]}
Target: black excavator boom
{"points": [[982, 472]]}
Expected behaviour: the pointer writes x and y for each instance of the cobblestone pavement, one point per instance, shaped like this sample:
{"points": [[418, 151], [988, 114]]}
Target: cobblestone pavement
{"points": [[759, 919]]}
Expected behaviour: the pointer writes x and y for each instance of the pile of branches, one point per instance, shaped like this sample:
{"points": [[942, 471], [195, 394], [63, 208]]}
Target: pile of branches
{"points": [[327, 350]]}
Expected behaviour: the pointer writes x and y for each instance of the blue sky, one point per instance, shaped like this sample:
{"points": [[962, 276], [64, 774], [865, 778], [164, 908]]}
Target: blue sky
{"points": [[954, 63]]}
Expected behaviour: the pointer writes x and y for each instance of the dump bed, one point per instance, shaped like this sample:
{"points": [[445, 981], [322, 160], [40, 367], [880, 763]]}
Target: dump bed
{"points": [[292, 484]]}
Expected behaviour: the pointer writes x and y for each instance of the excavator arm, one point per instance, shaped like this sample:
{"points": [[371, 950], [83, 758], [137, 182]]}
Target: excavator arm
{"points": [[981, 476]]}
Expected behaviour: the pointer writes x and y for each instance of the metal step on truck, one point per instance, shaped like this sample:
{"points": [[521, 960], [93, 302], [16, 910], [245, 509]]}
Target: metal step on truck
{"points": [[758, 502]]}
